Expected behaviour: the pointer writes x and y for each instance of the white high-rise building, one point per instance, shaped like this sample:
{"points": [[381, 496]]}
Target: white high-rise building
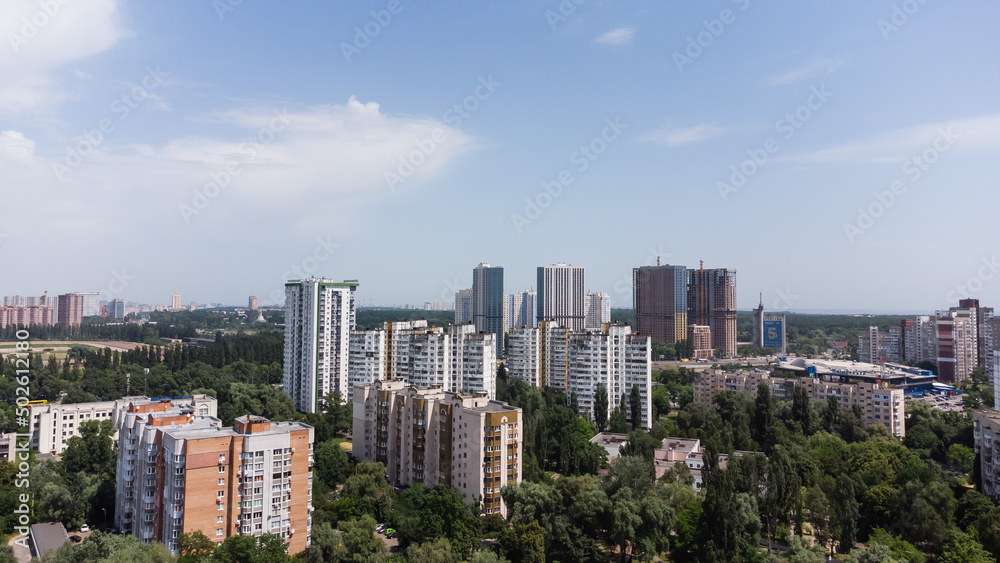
{"points": [[463, 306], [581, 361], [561, 295], [597, 307], [319, 317], [366, 358], [457, 359], [91, 303]]}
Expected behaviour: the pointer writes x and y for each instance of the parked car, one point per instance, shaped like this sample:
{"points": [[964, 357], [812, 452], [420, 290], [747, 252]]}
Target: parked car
{"points": [[76, 538], [380, 528], [390, 533], [85, 528]]}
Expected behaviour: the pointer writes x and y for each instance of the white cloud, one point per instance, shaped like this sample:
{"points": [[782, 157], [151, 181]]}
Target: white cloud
{"points": [[14, 146], [38, 43], [322, 167], [895, 146], [675, 137], [813, 69], [616, 36]]}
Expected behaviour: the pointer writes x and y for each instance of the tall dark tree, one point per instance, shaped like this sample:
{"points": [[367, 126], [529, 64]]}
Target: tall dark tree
{"points": [[601, 408], [762, 412], [635, 407]]}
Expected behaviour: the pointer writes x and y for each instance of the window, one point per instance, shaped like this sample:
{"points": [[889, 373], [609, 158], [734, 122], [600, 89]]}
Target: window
{"points": [[220, 519], [222, 469], [222, 482], [222, 458], [220, 494], [218, 531]]}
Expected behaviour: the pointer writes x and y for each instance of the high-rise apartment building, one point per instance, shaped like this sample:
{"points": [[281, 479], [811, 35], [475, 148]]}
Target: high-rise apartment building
{"points": [[488, 302], [711, 298], [116, 309], [512, 310], [528, 315], [91, 303], [463, 306], [457, 359], [69, 312], [431, 436], [985, 432], [659, 300], [579, 361], [179, 472], [26, 316], [984, 331], [319, 317], [252, 304], [561, 295], [956, 337], [597, 310], [175, 302]]}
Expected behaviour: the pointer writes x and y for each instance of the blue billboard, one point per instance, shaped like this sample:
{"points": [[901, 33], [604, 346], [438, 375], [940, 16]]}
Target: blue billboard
{"points": [[772, 334]]}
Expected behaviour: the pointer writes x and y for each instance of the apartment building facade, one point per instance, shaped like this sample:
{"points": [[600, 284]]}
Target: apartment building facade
{"points": [[433, 437], [711, 295], [561, 295], [179, 472], [26, 316], [489, 313], [53, 424], [319, 317], [878, 404], [457, 358], [597, 310], [659, 300], [985, 432], [579, 361], [69, 309]]}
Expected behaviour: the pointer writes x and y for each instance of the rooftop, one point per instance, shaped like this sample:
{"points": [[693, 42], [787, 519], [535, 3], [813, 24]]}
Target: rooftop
{"points": [[47, 536]]}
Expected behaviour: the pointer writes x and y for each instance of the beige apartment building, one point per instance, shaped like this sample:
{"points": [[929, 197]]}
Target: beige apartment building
{"points": [[878, 403], [432, 436], [179, 472], [986, 428]]}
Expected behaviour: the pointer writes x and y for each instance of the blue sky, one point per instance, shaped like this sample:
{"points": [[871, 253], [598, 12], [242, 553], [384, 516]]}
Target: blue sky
{"points": [[241, 144]]}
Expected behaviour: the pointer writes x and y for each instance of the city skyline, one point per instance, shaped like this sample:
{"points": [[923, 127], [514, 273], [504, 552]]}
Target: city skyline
{"points": [[817, 146]]}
